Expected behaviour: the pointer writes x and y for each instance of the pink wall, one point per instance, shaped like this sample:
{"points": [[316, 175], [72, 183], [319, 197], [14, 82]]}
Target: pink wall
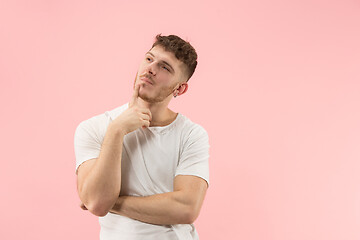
{"points": [[277, 88]]}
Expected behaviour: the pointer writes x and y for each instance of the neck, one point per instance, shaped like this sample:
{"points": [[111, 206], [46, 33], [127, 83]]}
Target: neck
{"points": [[161, 114]]}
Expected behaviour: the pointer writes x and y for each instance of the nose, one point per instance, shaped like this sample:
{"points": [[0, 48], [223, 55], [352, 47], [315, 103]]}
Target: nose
{"points": [[151, 69]]}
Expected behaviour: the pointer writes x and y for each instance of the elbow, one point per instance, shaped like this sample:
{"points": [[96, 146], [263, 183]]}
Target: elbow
{"points": [[191, 218], [100, 214], [190, 215], [98, 206], [98, 210]]}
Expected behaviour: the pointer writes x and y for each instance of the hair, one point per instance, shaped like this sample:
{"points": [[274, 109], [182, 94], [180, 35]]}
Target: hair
{"points": [[182, 50]]}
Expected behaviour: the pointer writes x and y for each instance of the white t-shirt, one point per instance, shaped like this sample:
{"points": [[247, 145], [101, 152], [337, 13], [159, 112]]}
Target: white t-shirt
{"points": [[151, 158]]}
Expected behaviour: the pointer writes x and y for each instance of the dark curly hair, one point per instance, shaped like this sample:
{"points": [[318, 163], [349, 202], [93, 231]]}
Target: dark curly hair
{"points": [[182, 50]]}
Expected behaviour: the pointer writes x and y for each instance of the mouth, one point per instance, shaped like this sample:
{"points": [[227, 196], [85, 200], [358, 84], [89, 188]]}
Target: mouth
{"points": [[144, 79]]}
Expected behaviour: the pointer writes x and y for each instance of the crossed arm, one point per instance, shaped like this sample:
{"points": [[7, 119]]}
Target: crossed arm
{"points": [[182, 206]]}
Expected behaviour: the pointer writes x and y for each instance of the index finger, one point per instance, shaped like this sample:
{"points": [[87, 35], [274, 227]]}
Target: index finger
{"points": [[135, 95]]}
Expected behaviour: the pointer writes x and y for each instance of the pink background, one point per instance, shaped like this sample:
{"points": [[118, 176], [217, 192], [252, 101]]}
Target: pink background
{"points": [[277, 88]]}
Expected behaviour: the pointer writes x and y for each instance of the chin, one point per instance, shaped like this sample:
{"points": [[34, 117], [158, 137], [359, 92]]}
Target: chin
{"points": [[151, 99], [146, 98]]}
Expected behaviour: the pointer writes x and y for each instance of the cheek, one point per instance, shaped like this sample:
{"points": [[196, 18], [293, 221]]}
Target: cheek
{"points": [[163, 81], [141, 68]]}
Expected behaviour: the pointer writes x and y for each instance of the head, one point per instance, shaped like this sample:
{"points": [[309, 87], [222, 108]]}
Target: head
{"points": [[166, 69]]}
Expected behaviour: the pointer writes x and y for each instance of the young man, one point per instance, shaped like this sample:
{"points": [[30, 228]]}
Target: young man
{"points": [[142, 168]]}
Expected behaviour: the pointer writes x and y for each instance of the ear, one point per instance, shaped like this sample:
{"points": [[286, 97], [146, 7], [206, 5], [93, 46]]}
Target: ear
{"points": [[181, 89]]}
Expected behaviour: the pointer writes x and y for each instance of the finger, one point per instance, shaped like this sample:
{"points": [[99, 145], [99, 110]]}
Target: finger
{"points": [[147, 112], [135, 95], [146, 123], [145, 116]]}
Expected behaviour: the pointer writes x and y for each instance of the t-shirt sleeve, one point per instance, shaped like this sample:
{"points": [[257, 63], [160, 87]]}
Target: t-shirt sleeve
{"points": [[87, 144], [194, 157]]}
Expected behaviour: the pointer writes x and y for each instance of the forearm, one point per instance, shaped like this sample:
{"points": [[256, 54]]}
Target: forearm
{"points": [[163, 209], [102, 184]]}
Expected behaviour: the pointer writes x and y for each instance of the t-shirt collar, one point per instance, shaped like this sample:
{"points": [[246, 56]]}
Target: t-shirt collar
{"points": [[156, 129]]}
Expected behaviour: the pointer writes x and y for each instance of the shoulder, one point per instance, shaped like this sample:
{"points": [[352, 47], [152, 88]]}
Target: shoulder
{"points": [[114, 113], [100, 122], [191, 129]]}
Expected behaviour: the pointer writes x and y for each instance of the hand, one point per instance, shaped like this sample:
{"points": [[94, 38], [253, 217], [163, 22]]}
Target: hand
{"points": [[135, 116]]}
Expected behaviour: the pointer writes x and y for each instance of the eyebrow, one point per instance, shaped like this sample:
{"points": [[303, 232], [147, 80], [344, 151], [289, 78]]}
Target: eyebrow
{"points": [[166, 63]]}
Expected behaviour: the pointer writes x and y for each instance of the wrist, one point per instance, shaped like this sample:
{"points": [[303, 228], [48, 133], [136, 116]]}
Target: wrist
{"points": [[117, 129]]}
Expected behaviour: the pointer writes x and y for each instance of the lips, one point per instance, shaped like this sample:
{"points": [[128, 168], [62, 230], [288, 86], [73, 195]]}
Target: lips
{"points": [[146, 80]]}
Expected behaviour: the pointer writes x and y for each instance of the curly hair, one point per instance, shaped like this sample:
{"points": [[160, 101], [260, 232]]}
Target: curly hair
{"points": [[182, 50]]}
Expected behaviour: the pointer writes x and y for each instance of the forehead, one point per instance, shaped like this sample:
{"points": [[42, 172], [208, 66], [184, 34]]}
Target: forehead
{"points": [[161, 54]]}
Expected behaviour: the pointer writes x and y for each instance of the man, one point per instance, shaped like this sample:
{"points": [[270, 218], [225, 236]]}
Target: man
{"points": [[142, 168]]}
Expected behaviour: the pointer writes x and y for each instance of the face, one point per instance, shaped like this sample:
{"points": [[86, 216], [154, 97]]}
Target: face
{"points": [[160, 74]]}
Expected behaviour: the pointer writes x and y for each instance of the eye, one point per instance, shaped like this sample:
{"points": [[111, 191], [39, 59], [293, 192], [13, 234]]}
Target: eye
{"points": [[148, 59], [166, 68]]}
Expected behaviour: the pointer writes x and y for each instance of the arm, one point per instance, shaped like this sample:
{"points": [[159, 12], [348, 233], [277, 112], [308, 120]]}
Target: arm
{"points": [[99, 180], [182, 206]]}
